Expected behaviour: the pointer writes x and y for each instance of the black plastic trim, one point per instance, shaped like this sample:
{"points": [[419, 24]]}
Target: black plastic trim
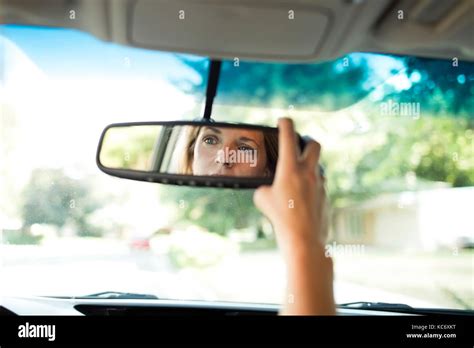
{"points": [[179, 179]]}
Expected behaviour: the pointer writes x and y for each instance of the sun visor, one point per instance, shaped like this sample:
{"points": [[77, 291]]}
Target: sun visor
{"points": [[220, 29]]}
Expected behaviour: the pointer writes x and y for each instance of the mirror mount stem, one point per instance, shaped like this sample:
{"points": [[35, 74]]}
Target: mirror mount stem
{"points": [[212, 83]]}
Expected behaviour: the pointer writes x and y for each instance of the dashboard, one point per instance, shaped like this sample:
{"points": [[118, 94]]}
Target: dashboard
{"points": [[146, 307]]}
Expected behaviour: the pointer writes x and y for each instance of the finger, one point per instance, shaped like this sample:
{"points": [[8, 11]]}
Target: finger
{"points": [[311, 154], [323, 180], [287, 150], [260, 196]]}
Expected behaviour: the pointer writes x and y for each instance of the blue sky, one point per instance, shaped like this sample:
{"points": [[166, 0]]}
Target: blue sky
{"points": [[69, 53], [59, 51]]}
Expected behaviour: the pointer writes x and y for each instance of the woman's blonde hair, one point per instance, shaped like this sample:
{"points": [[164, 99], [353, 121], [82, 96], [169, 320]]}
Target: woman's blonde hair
{"points": [[186, 164]]}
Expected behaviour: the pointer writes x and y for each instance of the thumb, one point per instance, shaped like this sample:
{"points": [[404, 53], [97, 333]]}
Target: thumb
{"points": [[261, 197]]}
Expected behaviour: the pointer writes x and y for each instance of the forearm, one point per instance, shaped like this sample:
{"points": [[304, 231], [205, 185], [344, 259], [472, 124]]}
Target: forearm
{"points": [[310, 282]]}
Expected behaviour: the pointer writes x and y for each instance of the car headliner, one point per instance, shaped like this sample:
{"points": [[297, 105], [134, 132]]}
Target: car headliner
{"points": [[284, 30]]}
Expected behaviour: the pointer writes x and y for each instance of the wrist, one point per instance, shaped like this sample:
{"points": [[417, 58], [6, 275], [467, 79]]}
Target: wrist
{"points": [[307, 255], [300, 240]]}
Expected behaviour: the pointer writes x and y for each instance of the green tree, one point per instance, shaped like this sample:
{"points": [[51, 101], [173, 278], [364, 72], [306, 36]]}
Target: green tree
{"points": [[51, 197], [217, 210], [441, 86], [281, 85], [278, 85], [436, 147]]}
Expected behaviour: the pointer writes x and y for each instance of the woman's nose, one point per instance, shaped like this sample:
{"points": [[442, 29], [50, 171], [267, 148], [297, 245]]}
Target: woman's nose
{"points": [[224, 161], [224, 157]]}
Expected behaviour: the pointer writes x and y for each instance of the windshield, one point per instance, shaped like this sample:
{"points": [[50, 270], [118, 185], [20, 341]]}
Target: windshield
{"points": [[398, 149]]}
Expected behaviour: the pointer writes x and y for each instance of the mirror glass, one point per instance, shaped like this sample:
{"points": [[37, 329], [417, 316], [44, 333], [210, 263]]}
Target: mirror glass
{"points": [[199, 150]]}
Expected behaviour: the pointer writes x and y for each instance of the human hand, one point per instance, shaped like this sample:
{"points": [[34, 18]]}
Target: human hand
{"points": [[296, 202], [296, 206]]}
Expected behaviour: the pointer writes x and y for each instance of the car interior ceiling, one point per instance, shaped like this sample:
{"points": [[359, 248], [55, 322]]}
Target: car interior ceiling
{"points": [[328, 29]]}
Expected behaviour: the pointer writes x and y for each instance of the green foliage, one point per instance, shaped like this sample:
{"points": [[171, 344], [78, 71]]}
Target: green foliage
{"points": [[281, 85], [22, 237], [443, 88], [132, 148], [259, 245], [216, 210], [52, 198], [447, 154], [431, 149], [436, 147]]}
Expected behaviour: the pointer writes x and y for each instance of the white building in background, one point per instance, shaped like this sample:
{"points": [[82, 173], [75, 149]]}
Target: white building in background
{"points": [[411, 220]]}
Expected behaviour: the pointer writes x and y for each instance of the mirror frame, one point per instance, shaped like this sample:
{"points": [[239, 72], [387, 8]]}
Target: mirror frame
{"points": [[180, 179]]}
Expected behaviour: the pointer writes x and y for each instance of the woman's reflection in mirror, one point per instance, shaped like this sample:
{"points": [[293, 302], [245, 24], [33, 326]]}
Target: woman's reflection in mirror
{"points": [[223, 151]]}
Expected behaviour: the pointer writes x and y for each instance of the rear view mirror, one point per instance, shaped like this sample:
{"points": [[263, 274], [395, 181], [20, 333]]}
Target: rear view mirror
{"points": [[190, 153]]}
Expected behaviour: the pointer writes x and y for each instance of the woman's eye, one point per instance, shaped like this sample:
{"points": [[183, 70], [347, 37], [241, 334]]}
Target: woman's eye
{"points": [[245, 148], [210, 140]]}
